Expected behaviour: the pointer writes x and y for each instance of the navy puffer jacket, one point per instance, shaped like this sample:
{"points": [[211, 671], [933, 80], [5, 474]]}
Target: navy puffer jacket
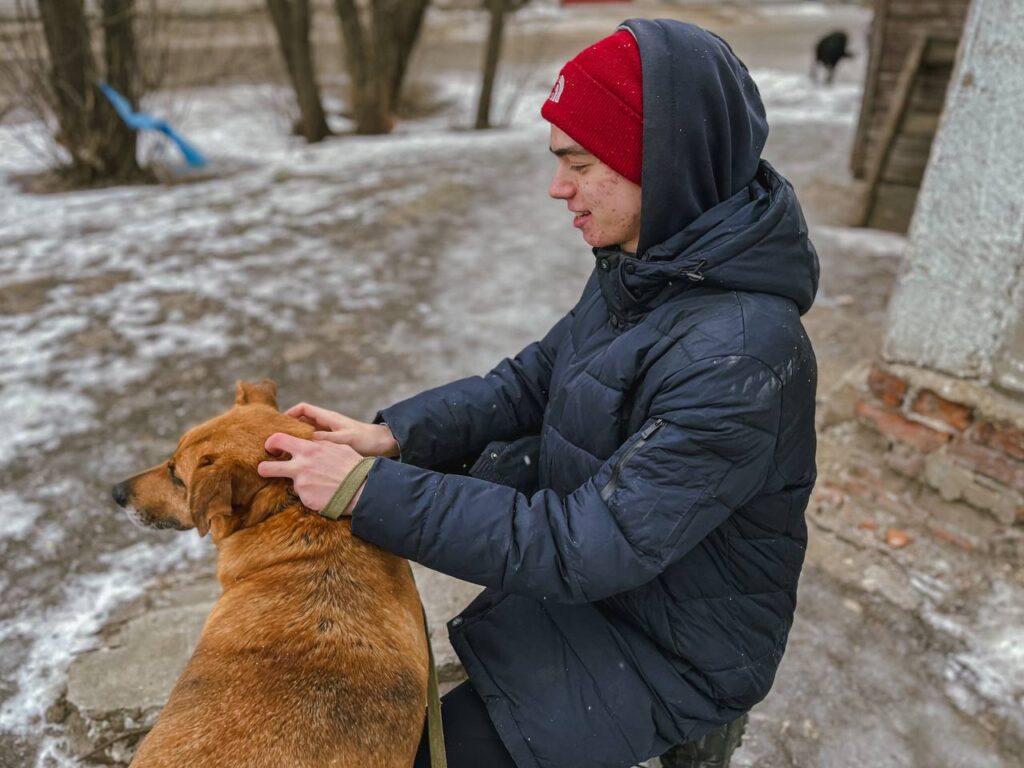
{"points": [[643, 595]]}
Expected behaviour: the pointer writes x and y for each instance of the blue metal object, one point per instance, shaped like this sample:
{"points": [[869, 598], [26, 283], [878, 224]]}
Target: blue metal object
{"points": [[144, 121]]}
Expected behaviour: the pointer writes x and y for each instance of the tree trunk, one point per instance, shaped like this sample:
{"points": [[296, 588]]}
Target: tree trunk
{"points": [[118, 143], [368, 112], [378, 45], [72, 70], [493, 55], [101, 146], [291, 20], [407, 21]]}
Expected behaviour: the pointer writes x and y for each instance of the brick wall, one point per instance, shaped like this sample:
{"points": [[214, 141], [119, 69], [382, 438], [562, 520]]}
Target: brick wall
{"points": [[955, 447]]}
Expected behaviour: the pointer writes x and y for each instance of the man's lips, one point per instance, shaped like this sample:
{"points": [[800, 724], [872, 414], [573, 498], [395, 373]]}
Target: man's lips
{"points": [[580, 218]]}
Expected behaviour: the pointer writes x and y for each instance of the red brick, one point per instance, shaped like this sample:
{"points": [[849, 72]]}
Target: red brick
{"points": [[892, 424], [929, 404], [886, 387], [989, 462], [896, 538], [1000, 436]]}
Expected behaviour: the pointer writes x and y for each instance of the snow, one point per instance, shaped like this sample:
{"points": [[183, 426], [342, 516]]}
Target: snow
{"points": [[982, 671], [61, 633]]}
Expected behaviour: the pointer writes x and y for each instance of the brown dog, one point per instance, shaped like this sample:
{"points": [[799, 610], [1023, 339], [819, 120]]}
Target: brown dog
{"points": [[315, 654]]}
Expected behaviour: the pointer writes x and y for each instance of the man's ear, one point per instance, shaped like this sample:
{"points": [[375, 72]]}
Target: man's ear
{"points": [[249, 393], [209, 495]]}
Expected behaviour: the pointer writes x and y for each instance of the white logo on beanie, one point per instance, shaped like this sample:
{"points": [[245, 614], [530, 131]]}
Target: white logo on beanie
{"points": [[556, 92]]}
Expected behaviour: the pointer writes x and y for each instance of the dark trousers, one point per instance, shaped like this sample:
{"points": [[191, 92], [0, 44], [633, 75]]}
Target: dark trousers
{"points": [[469, 736], [472, 742]]}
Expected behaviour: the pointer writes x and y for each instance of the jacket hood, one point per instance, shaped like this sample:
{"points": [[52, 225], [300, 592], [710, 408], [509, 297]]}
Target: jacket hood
{"points": [[712, 212], [754, 241], [704, 125]]}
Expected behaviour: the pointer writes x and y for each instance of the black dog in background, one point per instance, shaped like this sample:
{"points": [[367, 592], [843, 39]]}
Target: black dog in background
{"points": [[829, 51]]}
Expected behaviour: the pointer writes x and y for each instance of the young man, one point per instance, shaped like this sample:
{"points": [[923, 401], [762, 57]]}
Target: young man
{"points": [[641, 571]]}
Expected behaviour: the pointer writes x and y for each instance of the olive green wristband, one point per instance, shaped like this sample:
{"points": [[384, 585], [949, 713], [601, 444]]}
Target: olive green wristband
{"points": [[348, 489]]}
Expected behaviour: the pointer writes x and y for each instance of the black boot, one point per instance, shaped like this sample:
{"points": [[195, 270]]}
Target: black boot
{"points": [[713, 751]]}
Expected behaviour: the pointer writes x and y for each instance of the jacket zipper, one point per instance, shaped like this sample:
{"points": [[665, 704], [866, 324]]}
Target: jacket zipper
{"points": [[613, 481]]}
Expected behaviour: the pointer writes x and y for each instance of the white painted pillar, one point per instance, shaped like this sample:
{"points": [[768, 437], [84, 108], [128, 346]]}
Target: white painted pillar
{"points": [[959, 300]]}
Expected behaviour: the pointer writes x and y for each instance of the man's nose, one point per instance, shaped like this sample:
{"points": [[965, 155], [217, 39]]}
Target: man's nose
{"points": [[561, 188]]}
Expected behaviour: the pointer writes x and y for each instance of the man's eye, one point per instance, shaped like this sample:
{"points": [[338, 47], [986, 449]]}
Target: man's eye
{"points": [[578, 168]]}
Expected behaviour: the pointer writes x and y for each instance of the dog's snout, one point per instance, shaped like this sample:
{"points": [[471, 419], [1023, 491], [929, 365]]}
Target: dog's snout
{"points": [[120, 494]]}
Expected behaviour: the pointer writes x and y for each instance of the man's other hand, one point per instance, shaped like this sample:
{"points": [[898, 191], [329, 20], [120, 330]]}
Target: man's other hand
{"points": [[367, 439]]}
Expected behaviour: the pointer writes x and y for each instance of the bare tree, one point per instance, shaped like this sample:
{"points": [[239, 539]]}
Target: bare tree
{"points": [[291, 20], [379, 39], [101, 147], [498, 10]]}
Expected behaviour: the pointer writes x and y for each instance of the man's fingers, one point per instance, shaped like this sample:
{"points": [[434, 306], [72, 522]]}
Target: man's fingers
{"points": [[331, 437], [297, 410], [318, 417], [274, 469], [279, 442]]}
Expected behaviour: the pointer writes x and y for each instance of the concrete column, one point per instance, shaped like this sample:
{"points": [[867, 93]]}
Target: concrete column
{"points": [[959, 300]]}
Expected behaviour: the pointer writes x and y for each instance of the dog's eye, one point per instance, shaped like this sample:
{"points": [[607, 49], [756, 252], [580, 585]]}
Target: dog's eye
{"points": [[174, 478], [206, 461]]}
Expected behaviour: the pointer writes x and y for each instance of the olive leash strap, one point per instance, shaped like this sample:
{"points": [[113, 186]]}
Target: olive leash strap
{"points": [[335, 509]]}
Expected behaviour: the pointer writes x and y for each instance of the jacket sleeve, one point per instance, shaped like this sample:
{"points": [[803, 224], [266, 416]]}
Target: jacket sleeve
{"points": [[706, 450], [461, 418]]}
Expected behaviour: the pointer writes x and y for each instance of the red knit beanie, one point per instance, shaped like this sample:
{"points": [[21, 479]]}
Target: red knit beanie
{"points": [[598, 101]]}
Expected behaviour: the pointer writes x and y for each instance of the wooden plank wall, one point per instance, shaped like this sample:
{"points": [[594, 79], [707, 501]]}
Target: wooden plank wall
{"points": [[895, 25]]}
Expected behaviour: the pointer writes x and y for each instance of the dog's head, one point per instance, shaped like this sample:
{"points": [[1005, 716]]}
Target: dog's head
{"points": [[210, 482]]}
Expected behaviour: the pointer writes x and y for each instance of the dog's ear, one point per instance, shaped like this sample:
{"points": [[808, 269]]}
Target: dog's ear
{"points": [[249, 393], [210, 494]]}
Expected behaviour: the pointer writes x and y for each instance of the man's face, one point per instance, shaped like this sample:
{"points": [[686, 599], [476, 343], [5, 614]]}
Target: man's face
{"points": [[606, 206]]}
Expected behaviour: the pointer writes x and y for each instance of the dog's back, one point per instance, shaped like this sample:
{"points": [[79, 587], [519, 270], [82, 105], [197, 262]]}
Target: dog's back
{"points": [[313, 656]]}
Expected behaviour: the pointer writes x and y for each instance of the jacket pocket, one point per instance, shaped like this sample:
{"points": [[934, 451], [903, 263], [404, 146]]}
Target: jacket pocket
{"points": [[514, 464], [645, 434]]}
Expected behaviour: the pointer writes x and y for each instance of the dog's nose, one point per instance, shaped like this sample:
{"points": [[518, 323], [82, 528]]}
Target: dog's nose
{"points": [[120, 494]]}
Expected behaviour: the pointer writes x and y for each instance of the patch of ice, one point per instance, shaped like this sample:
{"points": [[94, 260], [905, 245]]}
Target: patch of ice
{"points": [[774, 8], [35, 416], [871, 243], [990, 668], [791, 97], [17, 515], [995, 652], [933, 588], [57, 634]]}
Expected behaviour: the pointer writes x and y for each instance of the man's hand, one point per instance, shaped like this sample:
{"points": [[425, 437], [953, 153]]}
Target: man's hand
{"points": [[367, 439], [316, 467]]}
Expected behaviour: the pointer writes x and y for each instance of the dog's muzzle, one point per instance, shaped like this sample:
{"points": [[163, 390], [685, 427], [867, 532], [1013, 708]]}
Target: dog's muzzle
{"points": [[120, 493]]}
